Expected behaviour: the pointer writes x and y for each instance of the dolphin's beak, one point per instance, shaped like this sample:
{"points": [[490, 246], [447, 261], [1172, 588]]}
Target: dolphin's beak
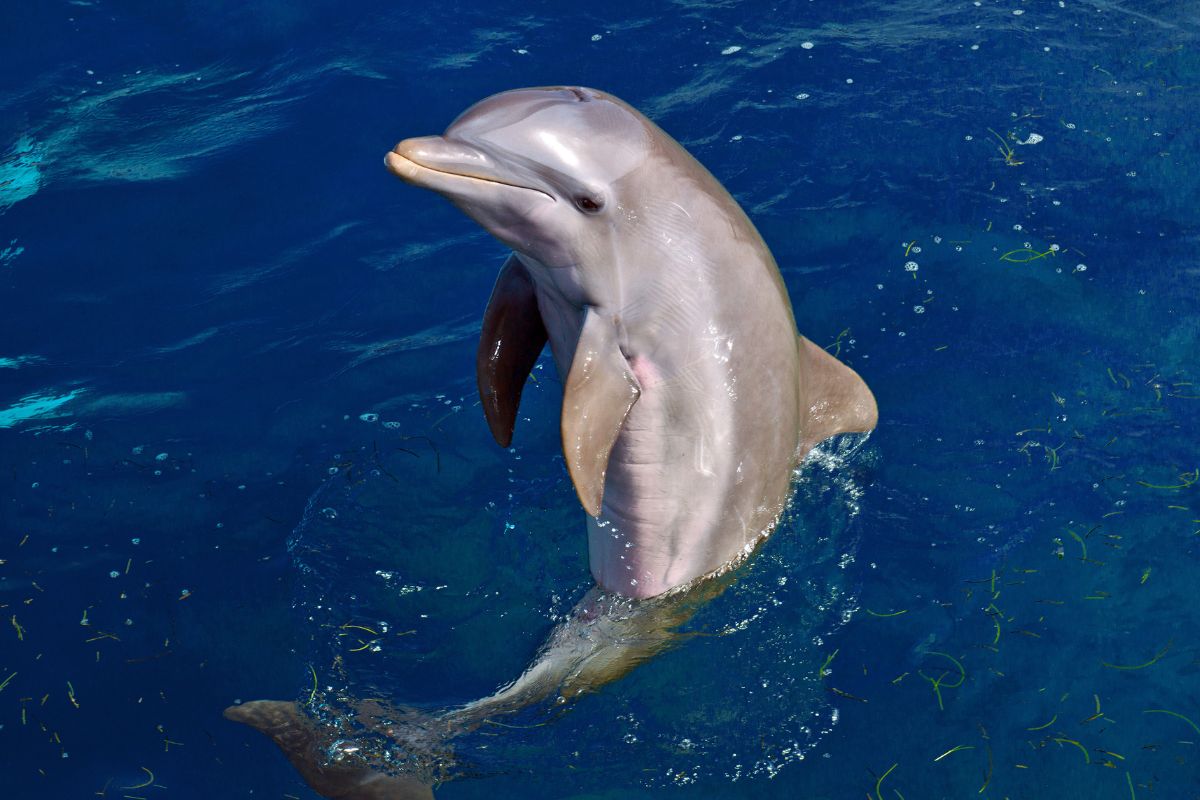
{"points": [[400, 165], [434, 162], [413, 156]]}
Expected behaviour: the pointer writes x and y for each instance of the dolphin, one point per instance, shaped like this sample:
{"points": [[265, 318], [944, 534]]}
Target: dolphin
{"points": [[689, 397]]}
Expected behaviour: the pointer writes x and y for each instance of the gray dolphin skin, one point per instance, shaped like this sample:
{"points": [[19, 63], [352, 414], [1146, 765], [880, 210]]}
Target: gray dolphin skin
{"points": [[688, 396]]}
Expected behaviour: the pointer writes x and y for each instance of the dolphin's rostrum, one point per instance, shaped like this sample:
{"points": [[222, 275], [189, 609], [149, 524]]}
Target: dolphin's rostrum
{"points": [[688, 397]]}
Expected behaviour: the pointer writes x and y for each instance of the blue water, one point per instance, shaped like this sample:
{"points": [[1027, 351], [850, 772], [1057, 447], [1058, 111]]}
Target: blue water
{"points": [[237, 405]]}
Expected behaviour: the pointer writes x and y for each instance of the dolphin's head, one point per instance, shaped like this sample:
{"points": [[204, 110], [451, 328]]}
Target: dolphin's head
{"points": [[538, 168]]}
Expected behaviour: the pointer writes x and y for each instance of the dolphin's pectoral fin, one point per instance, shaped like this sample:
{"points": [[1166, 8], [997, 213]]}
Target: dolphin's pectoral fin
{"points": [[836, 400], [600, 390], [513, 336], [307, 748]]}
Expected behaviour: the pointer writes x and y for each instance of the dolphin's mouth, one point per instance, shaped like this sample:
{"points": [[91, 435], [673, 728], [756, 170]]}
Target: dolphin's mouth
{"points": [[406, 163]]}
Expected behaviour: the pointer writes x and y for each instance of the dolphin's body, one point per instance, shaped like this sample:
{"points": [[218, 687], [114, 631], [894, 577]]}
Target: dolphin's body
{"points": [[688, 395]]}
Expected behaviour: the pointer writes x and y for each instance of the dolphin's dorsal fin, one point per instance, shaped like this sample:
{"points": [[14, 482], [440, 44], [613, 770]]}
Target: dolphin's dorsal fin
{"points": [[600, 390], [512, 339], [835, 400]]}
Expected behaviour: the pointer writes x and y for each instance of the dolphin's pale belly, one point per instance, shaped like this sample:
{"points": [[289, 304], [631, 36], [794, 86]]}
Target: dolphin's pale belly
{"points": [[700, 468], [670, 510]]}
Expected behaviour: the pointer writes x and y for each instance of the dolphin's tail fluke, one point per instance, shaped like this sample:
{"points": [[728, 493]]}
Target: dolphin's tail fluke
{"points": [[313, 751]]}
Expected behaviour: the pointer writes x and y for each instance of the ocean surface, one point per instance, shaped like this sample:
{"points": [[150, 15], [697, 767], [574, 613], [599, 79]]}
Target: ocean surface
{"points": [[241, 453]]}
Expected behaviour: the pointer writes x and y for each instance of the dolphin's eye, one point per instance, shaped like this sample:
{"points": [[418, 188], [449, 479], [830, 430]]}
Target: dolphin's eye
{"points": [[588, 205]]}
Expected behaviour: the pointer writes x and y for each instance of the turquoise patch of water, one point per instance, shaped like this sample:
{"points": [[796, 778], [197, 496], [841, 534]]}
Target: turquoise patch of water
{"points": [[20, 178]]}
